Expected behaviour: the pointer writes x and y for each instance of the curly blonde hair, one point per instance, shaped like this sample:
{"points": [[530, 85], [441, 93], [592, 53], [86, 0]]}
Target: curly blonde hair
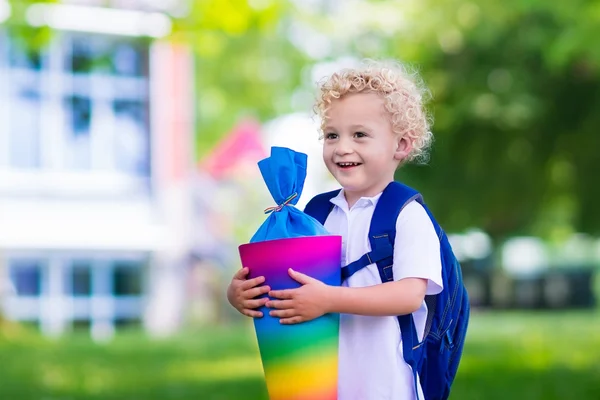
{"points": [[404, 97]]}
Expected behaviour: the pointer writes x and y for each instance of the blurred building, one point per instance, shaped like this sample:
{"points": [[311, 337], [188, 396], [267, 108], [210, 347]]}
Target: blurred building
{"points": [[96, 152]]}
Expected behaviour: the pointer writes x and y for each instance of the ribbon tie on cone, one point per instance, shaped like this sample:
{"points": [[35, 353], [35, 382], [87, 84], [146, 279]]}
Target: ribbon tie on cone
{"points": [[287, 201]]}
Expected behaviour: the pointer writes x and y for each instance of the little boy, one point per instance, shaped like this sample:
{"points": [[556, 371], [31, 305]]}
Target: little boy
{"points": [[373, 120]]}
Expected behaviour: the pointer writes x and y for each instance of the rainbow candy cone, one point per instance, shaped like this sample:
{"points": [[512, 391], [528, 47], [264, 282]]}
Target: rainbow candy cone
{"points": [[300, 361]]}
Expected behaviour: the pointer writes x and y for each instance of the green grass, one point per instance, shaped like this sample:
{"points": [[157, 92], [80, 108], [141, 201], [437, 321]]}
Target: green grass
{"points": [[531, 356], [508, 356]]}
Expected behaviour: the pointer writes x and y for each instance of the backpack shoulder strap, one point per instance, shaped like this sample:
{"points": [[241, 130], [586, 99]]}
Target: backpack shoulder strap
{"points": [[383, 234], [320, 206], [382, 231], [383, 224]]}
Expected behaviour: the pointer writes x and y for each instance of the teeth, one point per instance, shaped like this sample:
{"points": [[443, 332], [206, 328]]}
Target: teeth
{"points": [[347, 164]]}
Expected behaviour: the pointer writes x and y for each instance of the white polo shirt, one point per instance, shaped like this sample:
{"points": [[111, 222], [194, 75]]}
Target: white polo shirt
{"points": [[371, 366]]}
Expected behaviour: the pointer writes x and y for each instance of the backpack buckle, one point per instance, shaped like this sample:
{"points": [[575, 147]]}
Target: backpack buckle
{"points": [[449, 339]]}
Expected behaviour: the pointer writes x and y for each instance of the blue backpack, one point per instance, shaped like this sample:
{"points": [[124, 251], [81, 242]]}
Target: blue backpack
{"points": [[436, 358]]}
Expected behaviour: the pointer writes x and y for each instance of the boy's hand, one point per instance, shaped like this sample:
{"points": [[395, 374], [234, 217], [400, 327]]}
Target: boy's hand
{"points": [[305, 303], [241, 293]]}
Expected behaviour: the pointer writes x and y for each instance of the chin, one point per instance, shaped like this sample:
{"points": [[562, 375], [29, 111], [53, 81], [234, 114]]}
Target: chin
{"points": [[353, 188], [348, 184]]}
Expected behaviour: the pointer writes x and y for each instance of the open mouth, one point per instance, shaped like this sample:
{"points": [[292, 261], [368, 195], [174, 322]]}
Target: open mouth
{"points": [[348, 165]]}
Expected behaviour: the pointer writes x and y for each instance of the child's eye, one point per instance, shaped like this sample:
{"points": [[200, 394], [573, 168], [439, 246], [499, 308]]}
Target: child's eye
{"points": [[360, 134], [331, 136]]}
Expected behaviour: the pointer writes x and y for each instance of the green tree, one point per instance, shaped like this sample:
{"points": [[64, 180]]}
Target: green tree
{"points": [[515, 85], [515, 124], [245, 64]]}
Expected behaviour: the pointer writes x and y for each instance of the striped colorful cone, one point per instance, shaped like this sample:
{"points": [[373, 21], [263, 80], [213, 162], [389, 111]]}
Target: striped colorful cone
{"points": [[300, 361]]}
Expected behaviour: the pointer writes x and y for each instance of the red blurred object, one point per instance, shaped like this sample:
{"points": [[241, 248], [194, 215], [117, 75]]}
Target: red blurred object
{"points": [[242, 147]]}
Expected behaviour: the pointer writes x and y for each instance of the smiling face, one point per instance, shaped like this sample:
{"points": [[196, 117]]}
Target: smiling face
{"points": [[360, 148]]}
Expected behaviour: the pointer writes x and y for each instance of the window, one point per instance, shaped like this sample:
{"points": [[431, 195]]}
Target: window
{"points": [[80, 56], [77, 143], [80, 104], [24, 136], [101, 291], [26, 277], [127, 279], [131, 142], [22, 56], [25, 101], [80, 279], [129, 59]]}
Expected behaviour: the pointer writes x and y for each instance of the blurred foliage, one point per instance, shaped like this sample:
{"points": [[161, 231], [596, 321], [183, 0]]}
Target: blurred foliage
{"points": [[515, 91], [514, 87], [32, 38], [515, 84], [527, 356], [245, 66]]}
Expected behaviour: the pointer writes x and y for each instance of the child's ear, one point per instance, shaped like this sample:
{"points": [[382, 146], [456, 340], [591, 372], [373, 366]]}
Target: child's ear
{"points": [[403, 148]]}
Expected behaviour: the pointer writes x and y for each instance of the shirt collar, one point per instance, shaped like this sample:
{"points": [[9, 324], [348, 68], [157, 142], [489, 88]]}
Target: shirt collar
{"points": [[340, 201]]}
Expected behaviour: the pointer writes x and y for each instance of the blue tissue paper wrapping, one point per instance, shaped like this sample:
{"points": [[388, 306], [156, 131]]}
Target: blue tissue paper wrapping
{"points": [[284, 173]]}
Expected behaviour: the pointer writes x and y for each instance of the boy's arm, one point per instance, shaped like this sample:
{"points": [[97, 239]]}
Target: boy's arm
{"points": [[314, 298], [388, 299]]}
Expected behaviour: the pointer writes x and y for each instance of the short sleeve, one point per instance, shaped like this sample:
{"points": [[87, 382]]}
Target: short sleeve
{"points": [[417, 248]]}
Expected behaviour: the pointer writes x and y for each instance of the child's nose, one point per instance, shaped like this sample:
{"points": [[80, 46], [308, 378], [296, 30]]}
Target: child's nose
{"points": [[344, 146]]}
